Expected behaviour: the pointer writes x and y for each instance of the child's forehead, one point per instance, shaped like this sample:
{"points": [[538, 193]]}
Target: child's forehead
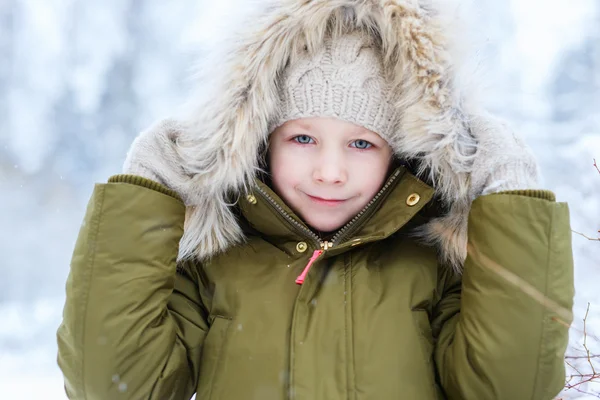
{"points": [[330, 125]]}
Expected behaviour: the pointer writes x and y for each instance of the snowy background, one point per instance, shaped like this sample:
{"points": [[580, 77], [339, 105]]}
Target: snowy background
{"points": [[79, 79]]}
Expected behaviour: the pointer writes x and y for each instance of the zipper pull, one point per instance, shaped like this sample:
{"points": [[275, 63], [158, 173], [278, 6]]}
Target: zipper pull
{"points": [[316, 254]]}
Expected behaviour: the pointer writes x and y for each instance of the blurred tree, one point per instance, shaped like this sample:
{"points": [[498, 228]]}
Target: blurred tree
{"points": [[575, 91], [85, 121], [7, 30]]}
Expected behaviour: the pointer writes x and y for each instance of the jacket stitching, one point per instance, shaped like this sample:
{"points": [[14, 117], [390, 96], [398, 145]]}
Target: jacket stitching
{"points": [[348, 325], [222, 317], [93, 236], [346, 329], [220, 354], [544, 309], [292, 350]]}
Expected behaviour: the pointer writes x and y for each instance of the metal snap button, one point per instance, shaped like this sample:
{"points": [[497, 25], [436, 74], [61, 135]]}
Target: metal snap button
{"points": [[251, 199], [413, 199], [301, 247]]}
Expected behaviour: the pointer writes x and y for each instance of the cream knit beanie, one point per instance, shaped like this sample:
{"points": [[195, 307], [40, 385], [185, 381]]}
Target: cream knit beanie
{"points": [[343, 79]]}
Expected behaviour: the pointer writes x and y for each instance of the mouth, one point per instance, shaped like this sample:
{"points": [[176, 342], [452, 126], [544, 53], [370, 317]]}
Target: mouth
{"points": [[325, 202]]}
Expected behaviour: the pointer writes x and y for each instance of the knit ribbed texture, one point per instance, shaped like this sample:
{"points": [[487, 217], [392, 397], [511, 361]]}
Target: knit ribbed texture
{"points": [[144, 182], [537, 193], [343, 79]]}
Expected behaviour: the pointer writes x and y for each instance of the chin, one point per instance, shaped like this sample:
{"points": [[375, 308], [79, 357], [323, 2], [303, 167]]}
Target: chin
{"points": [[328, 227]]}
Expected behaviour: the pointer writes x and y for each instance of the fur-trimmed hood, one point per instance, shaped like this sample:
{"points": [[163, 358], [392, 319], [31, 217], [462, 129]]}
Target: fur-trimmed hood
{"points": [[228, 126]]}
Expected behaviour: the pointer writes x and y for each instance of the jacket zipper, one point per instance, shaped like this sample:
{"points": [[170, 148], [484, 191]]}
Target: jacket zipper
{"points": [[341, 233], [295, 224], [345, 230]]}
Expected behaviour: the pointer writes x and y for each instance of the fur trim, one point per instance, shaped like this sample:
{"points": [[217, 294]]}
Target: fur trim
{"points": [[229, 124]]}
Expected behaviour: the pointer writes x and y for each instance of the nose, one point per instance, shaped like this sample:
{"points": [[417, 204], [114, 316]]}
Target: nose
{"points": [[330, 169]]}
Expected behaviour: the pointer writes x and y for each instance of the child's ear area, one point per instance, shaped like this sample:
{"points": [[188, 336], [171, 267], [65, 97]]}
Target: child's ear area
{"points": [[264, 164], [276, 134]]}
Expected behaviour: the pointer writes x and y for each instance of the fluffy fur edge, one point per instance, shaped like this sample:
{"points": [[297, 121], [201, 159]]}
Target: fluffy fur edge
{"points": [[228, 123]]}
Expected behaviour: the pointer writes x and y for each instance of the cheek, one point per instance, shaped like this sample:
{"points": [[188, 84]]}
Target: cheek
{"points": [[286, 166], [371, 170]]}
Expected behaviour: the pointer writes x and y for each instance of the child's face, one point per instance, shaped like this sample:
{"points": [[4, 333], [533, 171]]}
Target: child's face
{"points": [[327, 170]]}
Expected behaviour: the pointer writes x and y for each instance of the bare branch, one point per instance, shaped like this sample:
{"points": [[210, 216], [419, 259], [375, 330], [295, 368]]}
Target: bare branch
{"points": [[585, 339], [581, 357], [577, 380], [588, 238]]}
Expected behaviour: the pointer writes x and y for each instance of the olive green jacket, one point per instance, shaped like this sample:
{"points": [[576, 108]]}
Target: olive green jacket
{"points": [[377, 317]]}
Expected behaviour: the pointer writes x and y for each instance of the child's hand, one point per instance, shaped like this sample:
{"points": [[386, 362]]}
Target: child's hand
{"points": [[502, 161], [153, 155]]}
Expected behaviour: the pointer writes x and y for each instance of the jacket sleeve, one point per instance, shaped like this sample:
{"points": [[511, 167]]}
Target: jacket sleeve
{"points": [[132, 327], [502, 332]]}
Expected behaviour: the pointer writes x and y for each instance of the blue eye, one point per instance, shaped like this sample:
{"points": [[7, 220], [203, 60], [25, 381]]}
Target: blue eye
{"points": [[361, 144], [303, 139]]}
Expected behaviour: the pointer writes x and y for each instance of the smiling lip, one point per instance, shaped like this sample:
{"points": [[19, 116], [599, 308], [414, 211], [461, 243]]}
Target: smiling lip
{"points": [[326, 202]]}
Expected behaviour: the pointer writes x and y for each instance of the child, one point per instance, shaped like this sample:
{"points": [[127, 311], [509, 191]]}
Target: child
{"points": [[280, 245]]}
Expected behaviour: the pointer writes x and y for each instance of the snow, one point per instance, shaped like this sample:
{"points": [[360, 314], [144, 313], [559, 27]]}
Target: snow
{"points": [[28, 350], [81, 78]]}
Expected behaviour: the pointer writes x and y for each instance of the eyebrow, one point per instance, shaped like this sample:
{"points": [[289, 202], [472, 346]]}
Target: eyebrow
{"points": [[354, 131], [304, 124], [364, 131]]}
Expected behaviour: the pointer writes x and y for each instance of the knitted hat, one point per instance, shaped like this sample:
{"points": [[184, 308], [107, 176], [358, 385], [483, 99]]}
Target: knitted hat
{"points": [[342, 79]]}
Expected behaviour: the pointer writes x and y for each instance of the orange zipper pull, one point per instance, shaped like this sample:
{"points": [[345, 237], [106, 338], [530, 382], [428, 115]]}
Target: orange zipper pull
{"points": [[316, 254]]}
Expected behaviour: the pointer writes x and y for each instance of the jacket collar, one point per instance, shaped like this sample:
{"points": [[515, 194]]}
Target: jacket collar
{"points": [[267, 214]]}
